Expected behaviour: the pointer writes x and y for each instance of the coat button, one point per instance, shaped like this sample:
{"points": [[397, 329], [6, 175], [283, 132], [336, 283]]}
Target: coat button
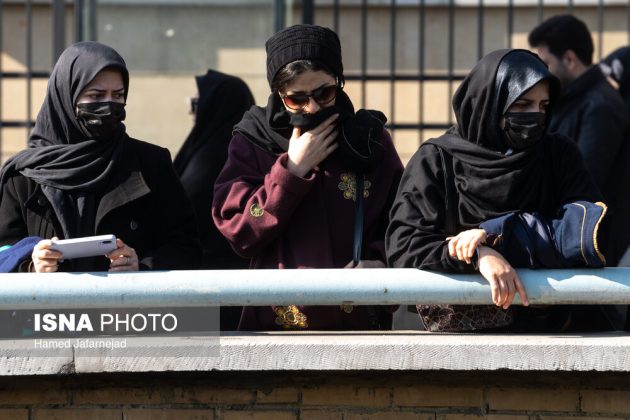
{"points": [[133, 225], [41, 201]]}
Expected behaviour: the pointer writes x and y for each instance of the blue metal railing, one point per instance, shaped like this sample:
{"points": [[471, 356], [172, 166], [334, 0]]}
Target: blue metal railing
{"points": [[308, 287]]}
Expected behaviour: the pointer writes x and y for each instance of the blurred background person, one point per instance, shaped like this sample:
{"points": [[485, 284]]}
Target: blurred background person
{"points": [[593, 114], [220, 104]]}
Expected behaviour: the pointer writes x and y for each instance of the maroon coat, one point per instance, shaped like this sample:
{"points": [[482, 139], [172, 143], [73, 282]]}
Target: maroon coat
{"points": [[280, 220]]}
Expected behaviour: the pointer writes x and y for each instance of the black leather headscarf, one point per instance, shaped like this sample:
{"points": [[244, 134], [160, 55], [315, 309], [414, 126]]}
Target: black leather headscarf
{"points": [[618, 63], [61, 156], [488, 181]]}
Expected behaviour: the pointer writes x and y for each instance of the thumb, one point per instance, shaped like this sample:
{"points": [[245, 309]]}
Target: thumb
{"points": [[297, 132]]}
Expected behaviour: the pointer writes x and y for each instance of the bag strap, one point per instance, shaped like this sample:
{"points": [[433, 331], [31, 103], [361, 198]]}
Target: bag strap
{"points": [[372, 310], [358, 220]]}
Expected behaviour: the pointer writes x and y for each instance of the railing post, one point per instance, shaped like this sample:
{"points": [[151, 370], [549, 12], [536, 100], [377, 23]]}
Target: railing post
{"points": [[308, 11], [279, 18], [59, 29]]}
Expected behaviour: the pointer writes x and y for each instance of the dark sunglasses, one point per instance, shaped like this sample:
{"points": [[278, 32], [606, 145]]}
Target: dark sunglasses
{"points": [[322, 96], [194, 105]]}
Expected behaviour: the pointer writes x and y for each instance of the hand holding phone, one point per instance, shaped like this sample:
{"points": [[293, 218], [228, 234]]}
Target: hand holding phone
{"points": [[88, 246]]}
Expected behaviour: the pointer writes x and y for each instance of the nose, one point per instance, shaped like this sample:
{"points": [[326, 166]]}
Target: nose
{"points": [[312, 106]]}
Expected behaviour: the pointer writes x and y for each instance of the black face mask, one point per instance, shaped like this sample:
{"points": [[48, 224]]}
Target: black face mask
{"points": [[308, 122], [524, 129], [101, 119]]}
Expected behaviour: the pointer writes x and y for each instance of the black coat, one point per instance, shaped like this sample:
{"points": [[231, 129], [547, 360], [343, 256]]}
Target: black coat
{"points": [[594, 115], [144, 205]]}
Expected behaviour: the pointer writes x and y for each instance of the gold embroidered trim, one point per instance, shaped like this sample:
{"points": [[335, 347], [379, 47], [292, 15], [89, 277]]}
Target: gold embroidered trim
{"points": [[348, 185], [582, 232], [599, 254], [256, 211], [595, 244], [290, 317]]}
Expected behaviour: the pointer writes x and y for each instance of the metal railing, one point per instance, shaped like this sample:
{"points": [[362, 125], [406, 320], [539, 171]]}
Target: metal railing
{"points": [[306, 287]]}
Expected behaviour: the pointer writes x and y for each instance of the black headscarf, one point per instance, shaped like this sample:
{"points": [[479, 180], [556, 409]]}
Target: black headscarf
{"points": [[222, 101], [489, 181], [618, 67], [61, 156]]}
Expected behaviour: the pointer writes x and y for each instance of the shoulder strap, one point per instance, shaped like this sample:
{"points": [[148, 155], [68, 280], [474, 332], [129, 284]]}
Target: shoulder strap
{"points": [[358, 219]]}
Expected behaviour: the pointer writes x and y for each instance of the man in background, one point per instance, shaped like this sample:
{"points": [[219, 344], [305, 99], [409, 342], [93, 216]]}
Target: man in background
{"points": [[591, 113]]}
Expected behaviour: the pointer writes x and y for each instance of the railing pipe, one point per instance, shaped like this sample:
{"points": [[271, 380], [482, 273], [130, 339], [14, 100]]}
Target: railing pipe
{"points": [[303, 287]]}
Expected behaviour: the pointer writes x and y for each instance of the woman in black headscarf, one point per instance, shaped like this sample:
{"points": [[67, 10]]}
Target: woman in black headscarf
{"points": [[498, 160], [82, 175], [222, 101]]}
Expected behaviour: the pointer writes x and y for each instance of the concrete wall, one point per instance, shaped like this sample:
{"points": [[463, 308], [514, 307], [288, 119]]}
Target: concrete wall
{"points": [[309, 395], [165, 46]]}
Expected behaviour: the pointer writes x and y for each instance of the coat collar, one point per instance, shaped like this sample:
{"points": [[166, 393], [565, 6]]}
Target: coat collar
{"points": [[582, 84], [132, 188]]}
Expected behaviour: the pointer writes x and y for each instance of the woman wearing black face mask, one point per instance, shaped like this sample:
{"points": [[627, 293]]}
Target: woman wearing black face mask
{"points": [[308, 183], [485, 186], [82, 175]]}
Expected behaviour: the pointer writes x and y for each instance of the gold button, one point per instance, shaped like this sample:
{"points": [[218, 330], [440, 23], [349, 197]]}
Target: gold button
{"points": [[256, 211]]}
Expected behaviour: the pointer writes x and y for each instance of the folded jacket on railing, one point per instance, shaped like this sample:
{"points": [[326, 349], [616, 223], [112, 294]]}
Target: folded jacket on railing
{"points": [[11, 257], [535, 241]]}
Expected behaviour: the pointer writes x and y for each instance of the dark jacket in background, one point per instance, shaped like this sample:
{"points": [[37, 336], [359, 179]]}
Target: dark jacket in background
{"points": [[594, 115], [143, 204], [222, 101]]}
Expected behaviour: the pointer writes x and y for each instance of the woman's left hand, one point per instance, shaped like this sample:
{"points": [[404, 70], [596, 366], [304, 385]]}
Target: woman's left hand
{"points": [[463, 245], [366, 264], [123, 258]]}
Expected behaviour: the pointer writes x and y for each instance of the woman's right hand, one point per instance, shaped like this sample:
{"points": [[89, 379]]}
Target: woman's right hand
{"points": [[464, 245], [503, 279], [307, 150], [45, 260]]}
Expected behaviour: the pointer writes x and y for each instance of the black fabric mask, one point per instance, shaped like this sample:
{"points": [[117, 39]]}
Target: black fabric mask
{"points": [[101, 119], [524, 129]]}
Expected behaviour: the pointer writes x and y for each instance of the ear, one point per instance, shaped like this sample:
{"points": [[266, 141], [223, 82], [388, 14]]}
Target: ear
{"points": [[571, 60]]}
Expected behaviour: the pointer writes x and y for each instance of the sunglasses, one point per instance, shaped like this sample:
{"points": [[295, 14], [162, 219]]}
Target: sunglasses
{"points": [[299, 101], [193, 105]]}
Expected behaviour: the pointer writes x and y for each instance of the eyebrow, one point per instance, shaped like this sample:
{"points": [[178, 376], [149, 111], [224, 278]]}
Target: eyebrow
{"points": [[94, 89]]}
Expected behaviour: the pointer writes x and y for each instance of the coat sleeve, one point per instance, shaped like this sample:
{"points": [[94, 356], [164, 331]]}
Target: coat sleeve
{"points": [[253, 203], [392, 169], [13, 226], [416, 236], [574, 181], [178, 247], [600, 139]]}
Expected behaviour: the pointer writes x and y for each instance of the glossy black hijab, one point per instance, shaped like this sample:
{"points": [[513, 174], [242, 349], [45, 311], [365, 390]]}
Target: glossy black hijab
{"points": [[618, 67], [492, 86], [489, 180], [60, 152]]}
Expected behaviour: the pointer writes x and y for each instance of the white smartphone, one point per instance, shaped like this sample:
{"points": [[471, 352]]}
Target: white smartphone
{"points": [[88, 246]]}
